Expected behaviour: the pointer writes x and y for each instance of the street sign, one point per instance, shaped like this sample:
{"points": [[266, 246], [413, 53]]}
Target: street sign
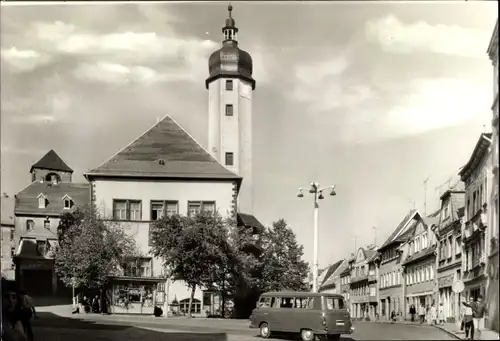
{"points": [[458, 286]]}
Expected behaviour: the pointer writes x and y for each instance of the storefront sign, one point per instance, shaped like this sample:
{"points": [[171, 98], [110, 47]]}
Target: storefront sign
{"points": [[446, 281]]}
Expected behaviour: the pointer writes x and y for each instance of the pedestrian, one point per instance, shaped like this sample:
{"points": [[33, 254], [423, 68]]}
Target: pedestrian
{"points": [[421, 313], [95, 304], [433, 313], [27, 311], [12, 328], [393, 315], [468, 321], [441, 313], [478, 313], [413, 311]]}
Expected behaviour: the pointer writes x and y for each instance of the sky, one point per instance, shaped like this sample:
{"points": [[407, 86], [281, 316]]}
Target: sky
{"points": [[373, 97]]}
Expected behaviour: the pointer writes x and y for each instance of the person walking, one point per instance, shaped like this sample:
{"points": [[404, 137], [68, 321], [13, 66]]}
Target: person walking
{"points": [[467, 320], [441, 314], [12, 328], [413, 311], [27, 311], [433, 313], [478, 314], [421, 313]]}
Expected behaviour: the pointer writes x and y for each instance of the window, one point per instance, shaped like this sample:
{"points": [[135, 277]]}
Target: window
{"points": [[229, 85], [46, 224], [229, 110], [450, 245], [334, 303], [127, 210], [12, 234], [41, 201], [424, 241], [30, 225], [265, 302], [160, 208], [458, 248], [195, 207], [431, 272], [229, 159], [67, 204], [137, 267], [41, 247], [287, 302]]}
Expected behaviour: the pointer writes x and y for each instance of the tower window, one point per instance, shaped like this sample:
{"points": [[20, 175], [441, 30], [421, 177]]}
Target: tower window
{"points": [[229, 159], [229, 85], [229, 110]]}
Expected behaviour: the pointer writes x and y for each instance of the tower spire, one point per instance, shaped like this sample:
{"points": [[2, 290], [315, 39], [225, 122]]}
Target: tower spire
{"points": [[230, 29]]}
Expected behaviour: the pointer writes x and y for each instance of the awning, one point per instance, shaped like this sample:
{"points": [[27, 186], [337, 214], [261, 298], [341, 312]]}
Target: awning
{"points": [[137, 279], [418, 294]]}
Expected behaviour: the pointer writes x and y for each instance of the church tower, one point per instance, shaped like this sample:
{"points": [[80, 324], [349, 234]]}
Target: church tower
{"points": [[230, 85]]}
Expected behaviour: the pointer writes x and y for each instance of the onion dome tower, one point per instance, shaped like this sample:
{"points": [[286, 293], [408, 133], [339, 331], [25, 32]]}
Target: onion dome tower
{"points": [[230, 61], [230, 86]]}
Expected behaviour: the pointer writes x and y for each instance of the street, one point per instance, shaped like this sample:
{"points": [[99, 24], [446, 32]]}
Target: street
{"points": [[131, 328]]}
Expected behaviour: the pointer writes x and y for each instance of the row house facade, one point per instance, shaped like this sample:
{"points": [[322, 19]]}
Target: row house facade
{"points": [[449, 252], [363, 292], [476, 175], [493, 219], [345, 283], [331, 280], [37, 211], [390, 257], [419, 255]]}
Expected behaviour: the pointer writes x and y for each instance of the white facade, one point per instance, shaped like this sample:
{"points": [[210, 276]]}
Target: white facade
{"points": [[230, 131], [108, 191]]}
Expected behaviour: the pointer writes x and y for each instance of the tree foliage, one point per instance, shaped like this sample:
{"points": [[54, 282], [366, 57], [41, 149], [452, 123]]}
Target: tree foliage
{"points": [[194, 249], [91, 249], [282, 265]]}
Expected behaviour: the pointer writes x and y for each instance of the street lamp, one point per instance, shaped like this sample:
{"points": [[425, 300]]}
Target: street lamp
{"points": [[318, 195]]}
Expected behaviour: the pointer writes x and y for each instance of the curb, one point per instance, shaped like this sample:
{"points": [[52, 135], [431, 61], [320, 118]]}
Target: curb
{"points": [[449, 332]]}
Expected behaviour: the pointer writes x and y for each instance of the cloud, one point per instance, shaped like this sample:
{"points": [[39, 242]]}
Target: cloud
{"points": [[23, 151], [53, 109], [120, 57], [426, 105], [397, 37], [24, 60], [325, 85]]}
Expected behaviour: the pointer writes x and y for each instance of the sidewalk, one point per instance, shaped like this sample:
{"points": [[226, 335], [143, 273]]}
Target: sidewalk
{"points": [[450, 328]]}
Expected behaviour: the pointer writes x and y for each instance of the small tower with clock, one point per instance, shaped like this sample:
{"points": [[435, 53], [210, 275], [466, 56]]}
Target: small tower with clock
{"points": [[230, 85]]}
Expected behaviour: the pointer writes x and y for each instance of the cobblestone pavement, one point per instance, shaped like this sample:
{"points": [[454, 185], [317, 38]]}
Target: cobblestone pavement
{"points": [[52, 327]]}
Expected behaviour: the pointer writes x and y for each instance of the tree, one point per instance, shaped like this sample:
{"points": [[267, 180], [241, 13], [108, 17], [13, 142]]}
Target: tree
{"points": [[282, 265], [193, 249], [91, 249]]}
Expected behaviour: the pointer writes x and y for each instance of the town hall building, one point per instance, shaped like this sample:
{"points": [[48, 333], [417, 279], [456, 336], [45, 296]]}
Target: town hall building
{"points": [[167, 171]]}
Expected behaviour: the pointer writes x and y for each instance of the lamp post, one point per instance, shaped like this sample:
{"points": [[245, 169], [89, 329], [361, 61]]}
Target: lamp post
{"points": [[317, 193]]}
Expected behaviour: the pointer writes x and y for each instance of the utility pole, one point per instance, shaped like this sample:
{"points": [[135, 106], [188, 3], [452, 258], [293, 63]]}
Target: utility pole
{"points": [[425, 195]]}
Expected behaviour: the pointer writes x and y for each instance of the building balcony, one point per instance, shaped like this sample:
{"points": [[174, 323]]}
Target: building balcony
{"points": [[372, 277]]}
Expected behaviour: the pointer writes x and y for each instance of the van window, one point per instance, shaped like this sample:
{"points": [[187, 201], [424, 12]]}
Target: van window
{"points": [[334, 303], [304, 303], [275, 302], [287, 302], [265, 302]]}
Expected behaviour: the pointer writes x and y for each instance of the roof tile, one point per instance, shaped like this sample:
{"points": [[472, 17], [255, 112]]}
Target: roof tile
{"points": [[52, 161], [183, 156], [27, 202]]}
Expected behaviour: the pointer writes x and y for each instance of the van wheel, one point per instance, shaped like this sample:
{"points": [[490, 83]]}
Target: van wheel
{"points": [[265, 331], [307, 335]]}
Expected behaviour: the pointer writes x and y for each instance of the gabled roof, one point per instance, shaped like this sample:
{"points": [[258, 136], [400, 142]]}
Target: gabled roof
{"points": [[399, 229], [7, 211], [52, 161], [432, 219], [249, 220], [27, 203], [329, 272], [164, 151], [480, 150]]}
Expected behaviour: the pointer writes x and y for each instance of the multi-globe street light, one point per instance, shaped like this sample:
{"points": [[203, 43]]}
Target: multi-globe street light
{"points": [[318, 195]]}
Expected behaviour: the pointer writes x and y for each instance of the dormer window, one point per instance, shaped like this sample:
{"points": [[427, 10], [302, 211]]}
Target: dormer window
{"points": [[42, 200], [67, 202], [46, 223]]}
